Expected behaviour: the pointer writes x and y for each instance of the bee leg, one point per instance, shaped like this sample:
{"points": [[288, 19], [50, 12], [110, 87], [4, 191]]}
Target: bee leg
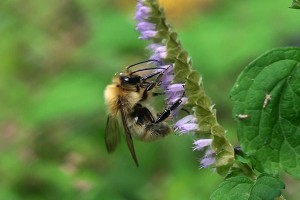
{"points": [[148, 114], [145, 93], [166, 113], [152, 84]]}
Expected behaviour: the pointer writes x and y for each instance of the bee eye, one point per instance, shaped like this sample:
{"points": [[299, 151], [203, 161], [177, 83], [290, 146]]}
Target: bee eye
{"points": [[125, 79], [130, 80], [136, 119]]}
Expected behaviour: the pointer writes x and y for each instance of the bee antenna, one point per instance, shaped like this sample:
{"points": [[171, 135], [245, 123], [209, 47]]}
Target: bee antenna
{"points": [[145, 61], [144, 69]]}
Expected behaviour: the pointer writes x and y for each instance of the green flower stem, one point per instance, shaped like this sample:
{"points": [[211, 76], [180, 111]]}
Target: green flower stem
{"points": [[197, 98]]}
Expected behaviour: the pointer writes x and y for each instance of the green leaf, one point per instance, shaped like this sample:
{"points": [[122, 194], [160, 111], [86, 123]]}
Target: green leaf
{"points": [[266, 99], [265, 187], [295, 4]]}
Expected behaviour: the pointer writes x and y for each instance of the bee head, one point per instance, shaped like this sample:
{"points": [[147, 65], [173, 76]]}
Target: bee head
{"points": [[131, 80]]}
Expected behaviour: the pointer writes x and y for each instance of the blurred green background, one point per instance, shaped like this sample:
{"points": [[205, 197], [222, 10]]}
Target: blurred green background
{"points": [[56, 59]]}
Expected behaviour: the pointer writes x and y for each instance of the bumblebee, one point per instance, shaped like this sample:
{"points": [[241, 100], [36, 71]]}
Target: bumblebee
{"points": [[127, 99]]}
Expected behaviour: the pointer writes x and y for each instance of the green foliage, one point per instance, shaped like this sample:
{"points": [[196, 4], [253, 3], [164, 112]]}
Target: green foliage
{"points": [[222, 32], [54, 99], [295, 4], [267, 93], [265, 187]]}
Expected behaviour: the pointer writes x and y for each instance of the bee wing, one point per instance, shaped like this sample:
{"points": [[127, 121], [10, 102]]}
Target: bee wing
{"points": [[127, 133], [112, 134]]}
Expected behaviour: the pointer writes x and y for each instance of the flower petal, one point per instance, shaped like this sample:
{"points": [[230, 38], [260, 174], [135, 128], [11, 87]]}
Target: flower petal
{"points": [[144, 26], [201, 143], [142, 12], [147, 34], [186, 119], [186, 128], [207, 161]]}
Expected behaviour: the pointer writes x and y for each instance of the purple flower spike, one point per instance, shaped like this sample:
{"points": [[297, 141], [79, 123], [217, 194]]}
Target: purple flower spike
{"points": [[144, 26], [176, 87], [142, 12], [166, 80], [209, 156], [147, 34], [186, 124], [208, 159], [186, 119], [146, 29], [167, 77], [186, 128], [166, 59], [159, 51], [200, 144], [174, 92], [153, 47]]}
